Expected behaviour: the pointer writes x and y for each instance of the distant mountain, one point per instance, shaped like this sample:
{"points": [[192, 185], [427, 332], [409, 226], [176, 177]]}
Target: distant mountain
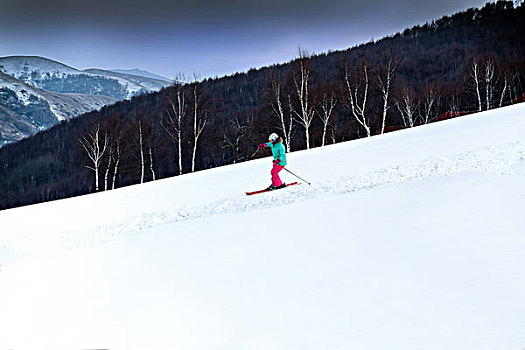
{"points": [[36, 93], [54, 76], [25, 109], [141, 73], [135, 84]]}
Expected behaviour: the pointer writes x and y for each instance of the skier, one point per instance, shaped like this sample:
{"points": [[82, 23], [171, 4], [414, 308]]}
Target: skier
{"points": [[279, 159]]}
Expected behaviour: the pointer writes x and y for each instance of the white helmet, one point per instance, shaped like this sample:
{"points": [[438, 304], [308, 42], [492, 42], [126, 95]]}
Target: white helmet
{"points": [[273, 137]]}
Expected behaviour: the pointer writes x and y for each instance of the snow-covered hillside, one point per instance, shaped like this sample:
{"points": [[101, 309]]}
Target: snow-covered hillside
{"points": [[25, 109], [54, 76], [135, 84], [24, 66], [409, 240], [36, 93]]}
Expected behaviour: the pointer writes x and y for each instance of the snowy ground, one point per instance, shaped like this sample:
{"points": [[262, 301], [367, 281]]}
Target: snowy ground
{"points": [[410, 240]]}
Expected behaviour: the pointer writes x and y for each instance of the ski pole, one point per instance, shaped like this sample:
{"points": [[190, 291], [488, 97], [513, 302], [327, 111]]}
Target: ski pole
{"points": [[254, 153], [296, 176]]}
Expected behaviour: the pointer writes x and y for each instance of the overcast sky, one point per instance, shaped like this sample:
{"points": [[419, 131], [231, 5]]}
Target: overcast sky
{"points": [[210, 38]]}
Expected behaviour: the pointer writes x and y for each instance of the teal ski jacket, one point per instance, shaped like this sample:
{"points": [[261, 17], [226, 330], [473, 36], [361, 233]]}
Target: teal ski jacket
{"points": [[278, 151]]}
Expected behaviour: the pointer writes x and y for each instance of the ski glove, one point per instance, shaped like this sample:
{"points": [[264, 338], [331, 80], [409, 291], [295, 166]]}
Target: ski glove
{"points": [[277, 161], [261, 146]]}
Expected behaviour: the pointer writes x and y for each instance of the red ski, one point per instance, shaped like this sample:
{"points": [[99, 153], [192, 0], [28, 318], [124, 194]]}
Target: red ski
{"points": [[262, 191]]}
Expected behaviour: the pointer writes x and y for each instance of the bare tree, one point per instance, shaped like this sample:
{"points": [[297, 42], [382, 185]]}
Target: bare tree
{"points": [[151, 168], [235, 134], [489, 81], [332, 136], [483, 79], [110, 159], [113, 140], [176, 113], [476, 78], [291, 113], [358, 98], [95, 149], [515, 88], [507, 80], [429, 103], [384, 84], [151, 131], [200, 118], [116, 154], [305, 114], [327, 107], [141, 151], [510, 85], [454, 103], [408, 108], [278, 111], [118, 144], [143, 133]]}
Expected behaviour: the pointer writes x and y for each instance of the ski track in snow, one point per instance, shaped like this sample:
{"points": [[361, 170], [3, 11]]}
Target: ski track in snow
{"points": [[507, 159]]}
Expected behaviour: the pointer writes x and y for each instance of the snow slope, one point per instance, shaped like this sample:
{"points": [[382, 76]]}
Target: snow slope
{"points": [[410, 240]]}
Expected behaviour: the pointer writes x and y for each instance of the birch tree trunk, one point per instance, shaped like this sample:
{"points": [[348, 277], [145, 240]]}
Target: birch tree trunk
{"points": [[306, 111], [141, 153], [358, 107], [327, 107], [180, 117], [430, 100], [475, 76], [289, 132], [384, 86], [176, 117], [408, 109], [117, 162], [489, 89], [278, 111], [151, 164], [95, 149], [106, 175], [504, 90], [198, 124], [454, 104]]}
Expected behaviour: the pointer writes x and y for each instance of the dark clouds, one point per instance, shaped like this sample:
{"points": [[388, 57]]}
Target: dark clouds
{"points": [[193, 7], [209, 37], [161, 9], [155, 11]]}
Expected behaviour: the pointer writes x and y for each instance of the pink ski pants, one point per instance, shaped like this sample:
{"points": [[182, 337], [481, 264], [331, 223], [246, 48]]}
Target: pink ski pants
{"points": [[276, 180]]}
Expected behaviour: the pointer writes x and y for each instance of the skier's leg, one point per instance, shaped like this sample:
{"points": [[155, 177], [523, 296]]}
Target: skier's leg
{"points": [[276, 180]]}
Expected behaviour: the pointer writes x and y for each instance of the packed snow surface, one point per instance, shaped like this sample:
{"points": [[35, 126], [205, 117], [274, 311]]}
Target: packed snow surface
{"points": [[410, 240]]}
